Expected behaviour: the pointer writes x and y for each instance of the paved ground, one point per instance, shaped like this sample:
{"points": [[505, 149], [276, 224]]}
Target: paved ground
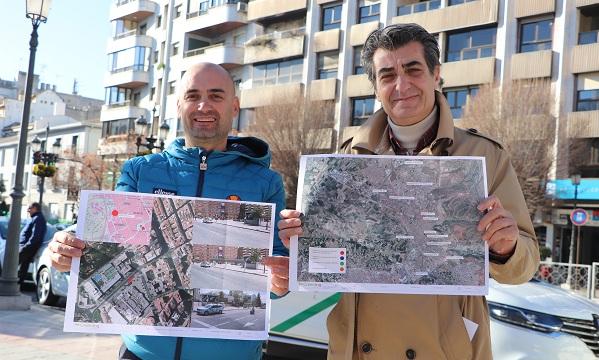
{"points": [[233, 278], [232, 318], [219, 234], [37, 334]]}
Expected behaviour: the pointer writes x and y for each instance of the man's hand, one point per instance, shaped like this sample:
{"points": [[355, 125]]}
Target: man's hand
{"points": [[289, 225], [279, 267], [498, 226], [63, 248]]}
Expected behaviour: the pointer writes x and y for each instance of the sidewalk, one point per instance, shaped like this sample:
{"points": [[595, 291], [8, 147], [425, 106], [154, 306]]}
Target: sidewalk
{"points": [[241, 225], [240, 269], [37, 334]]}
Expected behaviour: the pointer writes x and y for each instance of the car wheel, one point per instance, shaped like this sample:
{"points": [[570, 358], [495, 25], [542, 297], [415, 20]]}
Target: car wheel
{"points": [[45, 295]]}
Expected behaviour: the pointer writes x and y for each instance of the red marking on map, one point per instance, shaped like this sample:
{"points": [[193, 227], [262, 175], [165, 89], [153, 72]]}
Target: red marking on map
{"points": [[115, 213]]}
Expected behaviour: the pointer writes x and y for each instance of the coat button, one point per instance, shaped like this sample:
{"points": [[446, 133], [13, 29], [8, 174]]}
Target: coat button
{"points": [[411, 354], [366, 347]]}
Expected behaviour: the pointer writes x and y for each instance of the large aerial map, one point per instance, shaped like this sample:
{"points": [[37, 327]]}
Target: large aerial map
{"points": [[390, 224], [168, 265]]}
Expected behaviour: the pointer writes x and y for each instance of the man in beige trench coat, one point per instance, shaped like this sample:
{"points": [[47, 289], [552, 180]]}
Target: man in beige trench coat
{"points": [[402, 62]]}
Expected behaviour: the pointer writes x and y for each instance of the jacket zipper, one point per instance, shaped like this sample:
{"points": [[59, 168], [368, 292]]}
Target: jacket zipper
{"points": [[203, 167]]}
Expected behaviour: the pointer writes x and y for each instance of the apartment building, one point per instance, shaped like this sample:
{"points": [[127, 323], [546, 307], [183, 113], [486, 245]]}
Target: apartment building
{"points": [[278, 51]]}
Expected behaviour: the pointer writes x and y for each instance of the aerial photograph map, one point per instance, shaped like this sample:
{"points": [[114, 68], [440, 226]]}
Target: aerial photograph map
{"points": [[390, 224], [168, 265]]}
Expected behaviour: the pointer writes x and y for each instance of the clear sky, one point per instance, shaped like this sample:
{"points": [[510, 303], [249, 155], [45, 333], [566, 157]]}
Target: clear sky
{"points": [[72, 44]]}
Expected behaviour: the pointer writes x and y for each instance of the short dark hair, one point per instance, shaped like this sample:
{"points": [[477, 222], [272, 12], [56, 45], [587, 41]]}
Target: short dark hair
{"points": [[394, 36], [36, 205]]}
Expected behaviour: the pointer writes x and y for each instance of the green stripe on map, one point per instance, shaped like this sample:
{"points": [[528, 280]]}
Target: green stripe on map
{"points": [[306, 314]]}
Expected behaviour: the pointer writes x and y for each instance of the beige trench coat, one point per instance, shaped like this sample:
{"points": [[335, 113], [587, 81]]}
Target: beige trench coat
{"points": [[385, 326]]}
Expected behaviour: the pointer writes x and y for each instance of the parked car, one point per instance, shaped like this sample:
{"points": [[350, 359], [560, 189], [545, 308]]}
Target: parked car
{"points": [[50, 283], [535, 320], [205, 264], [208, 220], [210, 309]]}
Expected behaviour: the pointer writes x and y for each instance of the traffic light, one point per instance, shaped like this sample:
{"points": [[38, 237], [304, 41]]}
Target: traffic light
{"points": [[4, 208], [37, 157]]}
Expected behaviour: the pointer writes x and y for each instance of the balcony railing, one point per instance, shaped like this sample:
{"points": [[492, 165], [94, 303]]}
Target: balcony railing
{"points": [[199, 51], [418, 7], [205, 10], [275, 35], [122, 104], [588, 37], [129, 68], [125, 34], [123, 2]]}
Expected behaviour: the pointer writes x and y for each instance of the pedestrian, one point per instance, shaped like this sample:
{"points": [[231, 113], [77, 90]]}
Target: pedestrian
{"points": [[205, 163], [402, 63], [31, 239]]}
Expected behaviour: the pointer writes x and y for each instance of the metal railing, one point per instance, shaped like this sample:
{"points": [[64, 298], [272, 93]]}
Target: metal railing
{"points": [[204, 11], [275, 35], [202, 50], [123, 2], [418, 7], [125, 34]]}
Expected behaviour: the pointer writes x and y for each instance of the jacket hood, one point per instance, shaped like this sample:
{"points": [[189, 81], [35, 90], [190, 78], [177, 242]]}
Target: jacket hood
{"points": [[251, 148]]}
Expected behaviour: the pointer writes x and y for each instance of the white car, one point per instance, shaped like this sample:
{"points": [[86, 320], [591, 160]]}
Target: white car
{"points": [[51, 284], [529, 321]]}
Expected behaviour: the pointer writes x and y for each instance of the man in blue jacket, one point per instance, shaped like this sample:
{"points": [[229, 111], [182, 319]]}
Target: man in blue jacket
{"points": [[31, 239], [205, 163]]}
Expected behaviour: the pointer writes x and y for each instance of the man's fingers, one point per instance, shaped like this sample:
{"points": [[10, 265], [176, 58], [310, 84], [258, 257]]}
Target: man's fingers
{"points": [[492, 216], [278, 290], [68, 239], [492, 202], [289, 223], [276, 261], [501, 243], [280, 282], [290, 213], [60, 262], [497, 225]]}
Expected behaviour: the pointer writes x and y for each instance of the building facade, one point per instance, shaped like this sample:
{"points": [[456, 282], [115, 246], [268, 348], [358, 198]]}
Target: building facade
{"points": [[279, 51]]}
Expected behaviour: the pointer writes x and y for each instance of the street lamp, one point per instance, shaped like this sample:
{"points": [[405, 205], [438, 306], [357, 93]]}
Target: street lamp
{"points": [[141, 129], [10, 297], [44, 163], [575, 179]]}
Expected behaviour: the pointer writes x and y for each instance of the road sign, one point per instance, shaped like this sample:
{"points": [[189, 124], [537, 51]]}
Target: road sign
{"points": [[579, 217]]}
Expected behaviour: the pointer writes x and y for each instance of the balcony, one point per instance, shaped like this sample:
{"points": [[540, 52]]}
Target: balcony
{"points": [[468, 72], [134, 10], [124, 110], [275, 94], [129, 41], [533, 7], [326, 40], [583, 3], [117, 144], [130, 77], [359, 32], [228, 56], [323, 89], [418, 7], [268, 10], [358, 85], [536, 64], [276, 45], [474, 13], [216, 20], [585, 58], [583, 124]]}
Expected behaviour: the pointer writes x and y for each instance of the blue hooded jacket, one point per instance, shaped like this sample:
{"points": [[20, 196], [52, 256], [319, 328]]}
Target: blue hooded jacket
{"points": [[241, 171]]}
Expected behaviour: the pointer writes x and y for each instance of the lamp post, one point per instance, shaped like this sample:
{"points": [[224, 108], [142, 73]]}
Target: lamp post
{"points": [[44, 163], [575, 181], [10, 297], [141, 129]]}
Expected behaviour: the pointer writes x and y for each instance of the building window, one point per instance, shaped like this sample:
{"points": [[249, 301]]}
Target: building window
{"points": [[156, 56], [357, 67], [129, 59], [457, 99], [331, 16], [74, 141], [536, 35], [458, 2], [171, 87], [362, 108], [118, 127], [152, 93], [327, 65], [473, 44], [587, 100], [175, 49], [159, 21], [368, 11], [116, 96], [177, 11], [278, 72], [418, 7]]}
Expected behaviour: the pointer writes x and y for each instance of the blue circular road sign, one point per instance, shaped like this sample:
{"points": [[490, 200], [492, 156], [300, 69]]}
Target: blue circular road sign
{"points": [[579, 217]]}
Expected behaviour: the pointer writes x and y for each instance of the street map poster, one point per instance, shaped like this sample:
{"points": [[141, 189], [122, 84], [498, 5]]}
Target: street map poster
{"points": [[390, 224], [170, 265]]}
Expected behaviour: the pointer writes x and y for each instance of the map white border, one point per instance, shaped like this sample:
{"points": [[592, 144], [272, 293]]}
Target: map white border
{"points": [[71, 326], [295, 285]]}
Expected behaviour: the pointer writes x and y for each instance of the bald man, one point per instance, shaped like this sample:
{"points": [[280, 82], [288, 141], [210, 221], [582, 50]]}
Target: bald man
{"points": [[205, 163]]}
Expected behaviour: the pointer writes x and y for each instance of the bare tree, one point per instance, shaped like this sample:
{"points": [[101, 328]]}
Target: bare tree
{"points": [[292, 130], [85, 171], [520, 116]]}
